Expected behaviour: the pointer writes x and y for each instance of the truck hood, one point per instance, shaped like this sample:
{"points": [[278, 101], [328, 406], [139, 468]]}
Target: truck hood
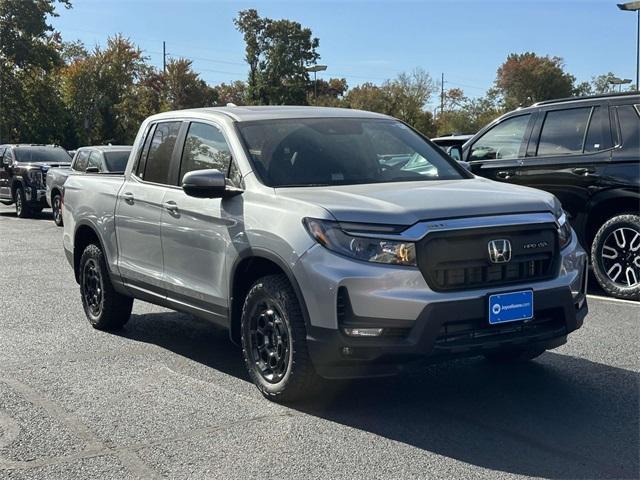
{"points": [[411, 202]]}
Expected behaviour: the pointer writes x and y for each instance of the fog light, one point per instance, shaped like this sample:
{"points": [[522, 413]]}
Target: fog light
{"points": [[363, 332]]}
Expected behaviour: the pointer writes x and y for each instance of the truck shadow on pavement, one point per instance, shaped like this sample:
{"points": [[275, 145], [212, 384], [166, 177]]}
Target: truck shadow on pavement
{"points": [[557, 417]]}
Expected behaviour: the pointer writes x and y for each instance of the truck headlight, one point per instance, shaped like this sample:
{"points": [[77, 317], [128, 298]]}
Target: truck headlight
{"points": [[329, 234], [565, 231]]}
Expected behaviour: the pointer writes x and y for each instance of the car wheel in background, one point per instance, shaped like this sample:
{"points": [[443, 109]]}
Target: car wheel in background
{"points": [[56, 207], [274, 341], [615, 256], [20, 201], [105, 308]]}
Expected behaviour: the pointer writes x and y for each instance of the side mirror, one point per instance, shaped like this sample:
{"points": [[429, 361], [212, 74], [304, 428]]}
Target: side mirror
{"points": [[92, 170], [6, 162], [455, 152], [207, 184]]}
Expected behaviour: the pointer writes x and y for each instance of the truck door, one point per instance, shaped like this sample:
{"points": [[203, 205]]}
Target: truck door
{"points": [[195, 231], [568, 151], [139, 209], [497, 154]]}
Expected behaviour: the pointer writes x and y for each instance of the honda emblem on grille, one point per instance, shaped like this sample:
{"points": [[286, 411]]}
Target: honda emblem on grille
{"points": [[500, 251]]}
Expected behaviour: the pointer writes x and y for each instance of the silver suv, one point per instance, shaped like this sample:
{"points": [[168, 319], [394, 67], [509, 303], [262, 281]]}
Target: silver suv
{"points": [[332, 243]]}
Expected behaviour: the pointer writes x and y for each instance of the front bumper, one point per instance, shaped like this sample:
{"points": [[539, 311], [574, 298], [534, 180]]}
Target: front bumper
{"points": [[423, 324], [36, 197]]}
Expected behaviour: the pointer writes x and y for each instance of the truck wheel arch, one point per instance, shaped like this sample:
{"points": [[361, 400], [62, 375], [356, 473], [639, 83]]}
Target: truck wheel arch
{"points": [[84, 235], [247, 268], [607, 205]]}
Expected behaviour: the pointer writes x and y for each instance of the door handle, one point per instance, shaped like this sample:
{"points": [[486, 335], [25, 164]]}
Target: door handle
{"points": [[171, 206], [504, 174], [583, 170], [128, 197]]}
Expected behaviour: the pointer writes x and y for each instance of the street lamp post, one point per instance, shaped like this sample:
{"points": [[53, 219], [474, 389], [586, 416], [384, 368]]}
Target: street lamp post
{"points": [[315, 69], [634, 7], [619, 82]]}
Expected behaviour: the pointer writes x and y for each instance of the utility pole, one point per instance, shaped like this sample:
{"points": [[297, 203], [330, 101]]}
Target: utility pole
{"points": [[442, 97], [164, 57]]}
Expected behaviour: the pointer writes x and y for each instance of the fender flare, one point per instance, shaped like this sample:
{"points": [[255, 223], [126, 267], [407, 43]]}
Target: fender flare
{"points": [[257, 252]]}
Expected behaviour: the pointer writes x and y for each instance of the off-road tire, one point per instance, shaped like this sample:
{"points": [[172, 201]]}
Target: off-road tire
{"points": [[113, 309], [615, 289], [517, 355], [300, 379]]}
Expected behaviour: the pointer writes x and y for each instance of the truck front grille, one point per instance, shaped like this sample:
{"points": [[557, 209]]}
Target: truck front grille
{"points": [[459, 260]]}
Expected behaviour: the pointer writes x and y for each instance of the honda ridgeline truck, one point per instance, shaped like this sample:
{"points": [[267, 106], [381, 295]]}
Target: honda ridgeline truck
{"points": [[331, 243]]}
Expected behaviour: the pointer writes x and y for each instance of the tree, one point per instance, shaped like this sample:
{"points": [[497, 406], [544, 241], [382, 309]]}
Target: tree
{"points": [[234, 92], [526, 78], [278, 52], [184, 88], [466, 115], [404, 97], [29, 58], [330, 93], [100, 90]]}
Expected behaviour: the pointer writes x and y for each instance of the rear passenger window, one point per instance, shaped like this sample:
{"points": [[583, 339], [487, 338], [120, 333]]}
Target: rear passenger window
{"points": [[158, 162], [82, 159], [205, 147], [629, 118], [563, 131], [599, 133]]}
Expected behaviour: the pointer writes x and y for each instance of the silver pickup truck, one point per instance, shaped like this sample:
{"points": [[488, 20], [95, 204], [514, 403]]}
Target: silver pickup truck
{"points": [[331, 243], [96, 159]]}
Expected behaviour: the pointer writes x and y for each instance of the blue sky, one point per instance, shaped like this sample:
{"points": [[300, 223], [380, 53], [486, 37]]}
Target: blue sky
{"points": [[375, 40]]}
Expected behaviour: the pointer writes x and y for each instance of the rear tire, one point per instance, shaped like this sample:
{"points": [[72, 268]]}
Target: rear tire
{"points": [[105, 308], [56, 207], [615, 256], [20, 200], [274, 341], [518, 355]]}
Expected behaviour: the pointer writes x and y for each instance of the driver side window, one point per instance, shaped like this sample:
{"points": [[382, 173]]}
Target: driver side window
{"points": [[501, 142]]}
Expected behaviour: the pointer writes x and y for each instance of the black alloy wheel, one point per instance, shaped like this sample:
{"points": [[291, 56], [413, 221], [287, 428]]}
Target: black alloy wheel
{"points": [[92, 287], [270, 342]]}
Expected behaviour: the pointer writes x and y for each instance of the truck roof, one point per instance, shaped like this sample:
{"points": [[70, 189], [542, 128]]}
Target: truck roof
{"points": [[252, 113]]}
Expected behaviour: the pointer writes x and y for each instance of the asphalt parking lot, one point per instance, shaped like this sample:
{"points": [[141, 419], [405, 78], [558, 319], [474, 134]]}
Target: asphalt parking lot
{"points": [[169, 397]]}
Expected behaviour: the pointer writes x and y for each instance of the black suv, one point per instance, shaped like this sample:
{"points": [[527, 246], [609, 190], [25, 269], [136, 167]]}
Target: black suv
{"points": [[23, 169], [586, 151]]}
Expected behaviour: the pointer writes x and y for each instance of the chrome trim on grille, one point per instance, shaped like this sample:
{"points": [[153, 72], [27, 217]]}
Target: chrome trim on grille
{"points": [[420, 230]]}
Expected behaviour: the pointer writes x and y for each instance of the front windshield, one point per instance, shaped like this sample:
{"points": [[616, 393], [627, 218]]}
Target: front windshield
{"points": [[42, 154], [341, 151], [117, 160]]}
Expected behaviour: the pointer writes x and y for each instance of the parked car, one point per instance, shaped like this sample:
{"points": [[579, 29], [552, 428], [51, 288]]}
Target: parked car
{"points": [[288, 226], [22, 175], [98, 159], [452, 144], [586, 151]]}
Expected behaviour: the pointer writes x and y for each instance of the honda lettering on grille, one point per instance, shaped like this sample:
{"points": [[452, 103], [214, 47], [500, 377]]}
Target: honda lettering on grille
{"points": [[499, 251]]}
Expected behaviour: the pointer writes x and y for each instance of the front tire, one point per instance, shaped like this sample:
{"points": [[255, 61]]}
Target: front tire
{"points": [[274, 341], [517, 355], [615, 256], [20, 200], [56, 207], [105, 308]]}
